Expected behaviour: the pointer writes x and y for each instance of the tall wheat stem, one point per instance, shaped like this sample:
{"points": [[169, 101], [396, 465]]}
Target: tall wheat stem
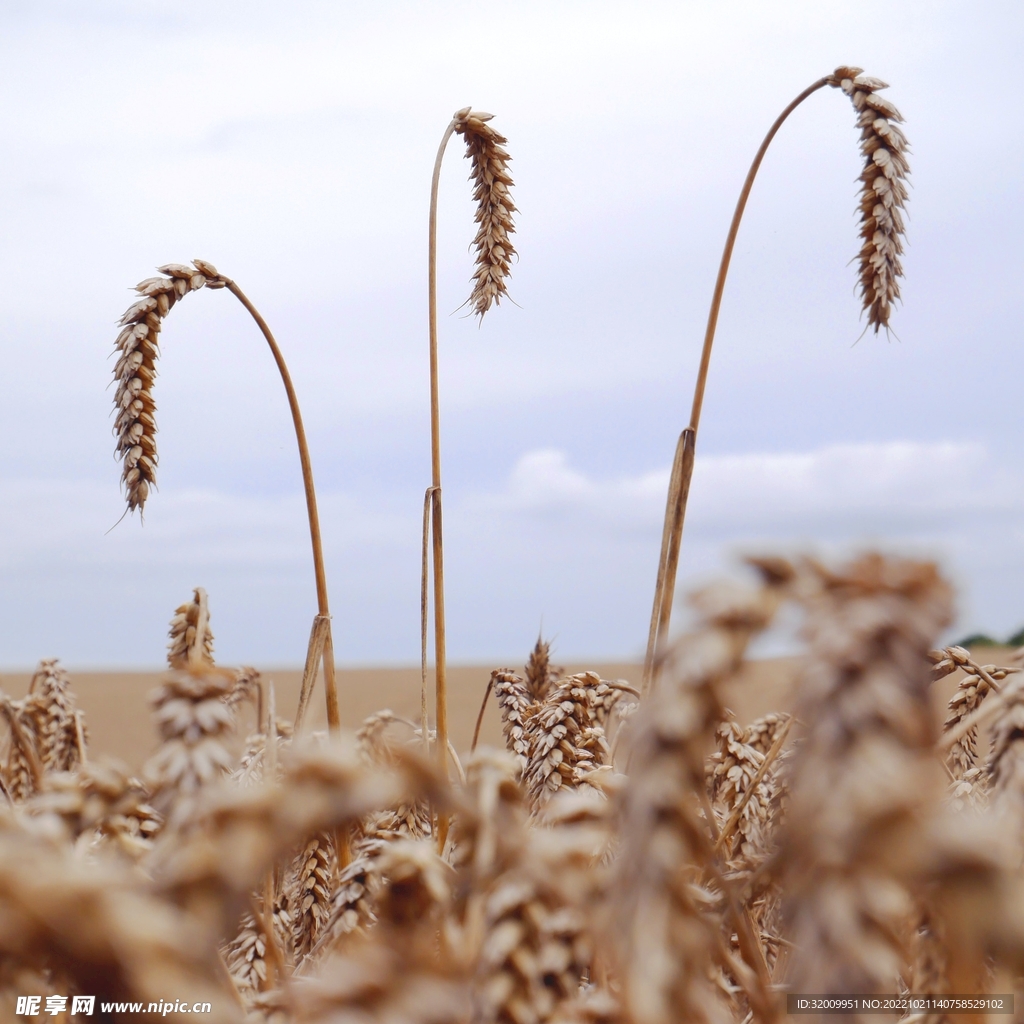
{"points": [[323, 611], [440, 660], [682, 468]]}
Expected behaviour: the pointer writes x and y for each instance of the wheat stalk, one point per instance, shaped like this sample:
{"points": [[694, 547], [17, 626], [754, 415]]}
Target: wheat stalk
{"points": [[883, 197], [135, 429], [494, 220]]}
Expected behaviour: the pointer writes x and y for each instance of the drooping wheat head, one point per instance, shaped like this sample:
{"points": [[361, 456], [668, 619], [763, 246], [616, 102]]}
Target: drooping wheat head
{"points": [[494, 207], [883, 192], [135, 372]]}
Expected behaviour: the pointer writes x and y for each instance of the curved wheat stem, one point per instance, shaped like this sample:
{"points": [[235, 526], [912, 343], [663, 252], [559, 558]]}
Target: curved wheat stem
{"points": [[493, 251], [135, 425], [883, 197]]}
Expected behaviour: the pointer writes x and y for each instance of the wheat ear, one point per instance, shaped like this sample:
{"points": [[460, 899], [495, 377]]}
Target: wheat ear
{"points": [[883, 196], [494, 219], [191, 639], [135, 428]]}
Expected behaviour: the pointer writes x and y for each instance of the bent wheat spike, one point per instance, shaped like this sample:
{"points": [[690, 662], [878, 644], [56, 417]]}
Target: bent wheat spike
{"points": [[494, 211], [135, 425], [883, 198]]}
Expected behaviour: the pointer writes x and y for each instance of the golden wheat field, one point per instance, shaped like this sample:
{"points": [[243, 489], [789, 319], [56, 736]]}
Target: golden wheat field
{"points": [[703, 837]]}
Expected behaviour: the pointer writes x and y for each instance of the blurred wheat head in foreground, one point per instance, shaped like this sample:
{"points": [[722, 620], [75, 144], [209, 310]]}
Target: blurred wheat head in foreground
{"points": [[623, 862]]}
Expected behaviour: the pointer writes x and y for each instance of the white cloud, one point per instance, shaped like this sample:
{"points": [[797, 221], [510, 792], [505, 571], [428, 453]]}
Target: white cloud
{"points": [[899, 486], [551, 542]]}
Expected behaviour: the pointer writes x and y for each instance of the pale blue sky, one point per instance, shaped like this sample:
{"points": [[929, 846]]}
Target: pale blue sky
{"points": [[291, 145]]}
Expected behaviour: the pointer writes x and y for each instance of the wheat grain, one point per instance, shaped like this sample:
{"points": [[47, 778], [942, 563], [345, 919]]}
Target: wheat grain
{"points": [[663, 942], [23, 771], [515, 704], [193, 720], [863, 780], [52, 703], [566, 744], [883, 192], [135, 372], [99, 926], [101, 807], [191, 639], [246, 955], [314, 881], [494, 207], [540, 673], [735, 784]]}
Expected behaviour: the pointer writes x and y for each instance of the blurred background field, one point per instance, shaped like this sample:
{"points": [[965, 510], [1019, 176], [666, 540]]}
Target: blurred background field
{"points": [[117, 706]]}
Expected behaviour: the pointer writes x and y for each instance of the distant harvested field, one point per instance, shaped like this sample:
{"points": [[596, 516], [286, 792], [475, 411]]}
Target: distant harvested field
{"points": [[117, 709]]}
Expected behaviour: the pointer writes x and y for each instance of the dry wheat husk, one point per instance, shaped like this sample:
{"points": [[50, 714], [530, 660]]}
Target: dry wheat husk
{"points": [[1006, 768], [662, 932], [191, 639], [537, 948], [732, 769], [863, 782], [566, 742], [515, 704], [101, 806], [233, 835], [310, 892], [193, 719], [540, 673], [520, 923], [94, 922], [398, 973], [245, 956], [883, 192], [494, 207], [23, 767], [135, 372], [559, 739], [52, 702], [347, 906]]}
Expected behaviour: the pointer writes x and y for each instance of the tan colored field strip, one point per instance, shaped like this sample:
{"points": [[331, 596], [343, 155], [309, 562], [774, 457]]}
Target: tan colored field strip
{"points": [[117, 707]]}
